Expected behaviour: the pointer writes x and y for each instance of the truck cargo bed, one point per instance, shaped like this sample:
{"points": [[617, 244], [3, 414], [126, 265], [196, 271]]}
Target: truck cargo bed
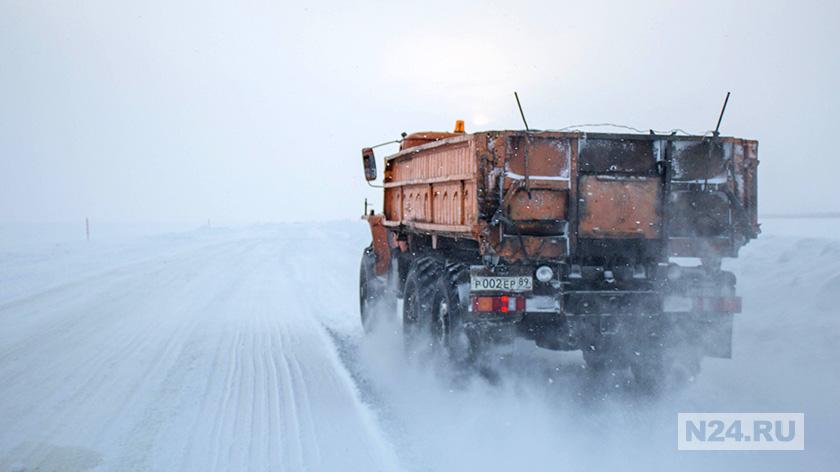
{"points": [[548, 195]]}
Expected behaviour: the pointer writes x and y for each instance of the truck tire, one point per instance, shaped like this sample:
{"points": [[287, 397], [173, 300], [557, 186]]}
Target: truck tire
{"points": [[417, 298], [374, 295], [449, 334]]}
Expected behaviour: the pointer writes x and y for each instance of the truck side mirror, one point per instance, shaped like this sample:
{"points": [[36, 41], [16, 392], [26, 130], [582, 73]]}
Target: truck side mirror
{"points": [[370, 164]]}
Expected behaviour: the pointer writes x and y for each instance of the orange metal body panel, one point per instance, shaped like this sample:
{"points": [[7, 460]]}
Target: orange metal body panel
{"points": [[381, 247], [434, 185], [557, 192], [543, 204], [394, 204], [424, 137], [448, 203], [619, 208], [547, 155], [416, 202], [443, 162], [547, 248]]}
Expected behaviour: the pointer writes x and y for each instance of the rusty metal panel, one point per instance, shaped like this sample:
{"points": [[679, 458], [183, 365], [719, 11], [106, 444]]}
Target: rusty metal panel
{"points": [[424, 137], [548, 157], [445, 163], [746, 166], [544, 204], [712, 204], [381, 244], [588, 191], [539, 204], [601, 155], [614, 207], [751, 182], [393, 203], [433, 184], [574, 192], [417, 203], [700, 160], [448, 203], [541, 246], [470, 207]]}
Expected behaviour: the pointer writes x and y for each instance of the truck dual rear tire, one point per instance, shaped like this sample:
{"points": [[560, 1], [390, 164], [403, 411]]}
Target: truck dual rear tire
{"points": [[417, 299], [449, 333], [433, 313]]}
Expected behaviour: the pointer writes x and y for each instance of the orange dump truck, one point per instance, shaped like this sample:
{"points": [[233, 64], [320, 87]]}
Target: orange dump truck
{"points": [[571, 239]]}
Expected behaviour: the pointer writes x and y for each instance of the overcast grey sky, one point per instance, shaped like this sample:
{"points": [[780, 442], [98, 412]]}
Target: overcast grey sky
{"points": [[243, 111]]}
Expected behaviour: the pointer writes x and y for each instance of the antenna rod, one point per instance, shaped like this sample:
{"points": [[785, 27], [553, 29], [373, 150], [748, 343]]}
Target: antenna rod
{"points": [[720, 118], [523, 114]]}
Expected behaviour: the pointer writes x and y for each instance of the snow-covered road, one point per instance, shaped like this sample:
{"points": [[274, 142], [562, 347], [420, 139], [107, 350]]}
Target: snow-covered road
{"points": [[240, 349], [207, 357]]}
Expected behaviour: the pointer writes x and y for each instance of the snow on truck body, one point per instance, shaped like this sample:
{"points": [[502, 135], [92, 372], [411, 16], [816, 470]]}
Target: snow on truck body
{"points": [[565, 237]]}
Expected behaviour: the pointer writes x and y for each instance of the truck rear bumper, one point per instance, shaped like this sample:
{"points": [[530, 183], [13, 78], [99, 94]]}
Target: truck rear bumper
{"points": [[580, 303], [576, 303], [576, 320]]}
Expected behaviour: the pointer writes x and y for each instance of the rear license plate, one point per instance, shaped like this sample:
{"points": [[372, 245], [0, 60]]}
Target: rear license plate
{"points": [[519, 283]]}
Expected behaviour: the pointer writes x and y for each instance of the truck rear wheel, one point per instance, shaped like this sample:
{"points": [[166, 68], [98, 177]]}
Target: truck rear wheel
{"points": [[448, 330], [417, 298]]}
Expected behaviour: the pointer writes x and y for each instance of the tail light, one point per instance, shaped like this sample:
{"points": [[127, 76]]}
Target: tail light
{"points": [[498, 304]]}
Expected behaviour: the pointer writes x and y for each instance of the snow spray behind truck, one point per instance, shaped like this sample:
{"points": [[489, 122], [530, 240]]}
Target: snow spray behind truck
{"points": [[570, 239]]}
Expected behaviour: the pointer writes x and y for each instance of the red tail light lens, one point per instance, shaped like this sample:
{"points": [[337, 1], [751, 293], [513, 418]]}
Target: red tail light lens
{"points": [[499, 304]]}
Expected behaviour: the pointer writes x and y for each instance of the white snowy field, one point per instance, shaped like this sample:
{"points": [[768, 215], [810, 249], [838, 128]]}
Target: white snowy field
{"points": [[240, 349]]}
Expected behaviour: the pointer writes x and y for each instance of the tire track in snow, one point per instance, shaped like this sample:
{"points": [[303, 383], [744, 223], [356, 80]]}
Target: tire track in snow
{"points": [[87, 379], [65, 399], [209, 359], [299, 425], [176, 379]]}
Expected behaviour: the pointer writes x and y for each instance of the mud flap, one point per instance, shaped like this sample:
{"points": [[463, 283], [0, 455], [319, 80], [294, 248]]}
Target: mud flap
{"points": [[381, 246]]}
